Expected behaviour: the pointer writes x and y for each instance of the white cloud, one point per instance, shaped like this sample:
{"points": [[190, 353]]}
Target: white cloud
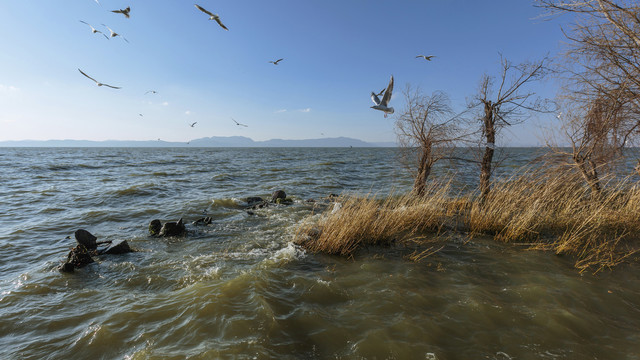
{"points": [[7, 88], [305, 110], [165, 103], [188, 112], [280, 111]]}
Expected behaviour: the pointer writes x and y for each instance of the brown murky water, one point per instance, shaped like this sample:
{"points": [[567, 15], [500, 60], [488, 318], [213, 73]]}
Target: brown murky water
{"points": [[239, 289]]}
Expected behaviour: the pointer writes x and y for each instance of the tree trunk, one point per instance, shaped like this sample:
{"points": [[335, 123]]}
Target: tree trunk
{"points": [[485, 165], [424, 169], [589, 172]]}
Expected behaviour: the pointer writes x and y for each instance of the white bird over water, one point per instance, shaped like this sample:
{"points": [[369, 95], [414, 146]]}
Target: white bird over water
{"points": [[96, 81], [426, 57], [276, 62], [114, 34], [212, 16], [124, 12], [384, 104]]}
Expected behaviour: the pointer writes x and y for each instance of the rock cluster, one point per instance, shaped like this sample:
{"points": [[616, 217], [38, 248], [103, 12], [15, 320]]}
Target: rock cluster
{"points": [[82, 254]]}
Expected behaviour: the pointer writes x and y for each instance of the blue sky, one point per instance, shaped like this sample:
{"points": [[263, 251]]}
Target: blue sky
{"points": [[335, 53]]}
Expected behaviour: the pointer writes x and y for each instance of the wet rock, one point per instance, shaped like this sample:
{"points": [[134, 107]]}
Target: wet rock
{"points": [[250, 212], [286, 201], [117, 247], [85, 238], [173, 228], [154, 227], [278, 194], [253, 200], [204, 221], [78, 257], [261, 205]]}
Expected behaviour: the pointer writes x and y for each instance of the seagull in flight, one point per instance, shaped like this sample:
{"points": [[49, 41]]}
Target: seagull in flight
{"points": [[114, 34], [426, 57], [151, 91], [96, 81], [384, 104], [212, 16], [276, 62], [237, 123], [124, 12], [381, 92], [193, 124], [93, 30]]}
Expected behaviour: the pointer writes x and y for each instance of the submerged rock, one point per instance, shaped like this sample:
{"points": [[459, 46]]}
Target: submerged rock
{"points": [[154, 227], [204, 221], [173, 228], [83, 237], [117, 247], [285, 201], [278, 195], [252, 200], [78, 257]]}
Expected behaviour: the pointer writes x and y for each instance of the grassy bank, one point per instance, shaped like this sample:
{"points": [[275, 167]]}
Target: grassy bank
{"points": [[552, 212]]}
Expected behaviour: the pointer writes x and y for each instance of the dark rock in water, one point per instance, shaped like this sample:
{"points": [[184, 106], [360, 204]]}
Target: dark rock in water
{"points": [[260, 205], [83, 237], [117, 247], [311, 201], [253, 200], [285, 201], [250, 212], [78, 257], [278, 194], [173, 228], [154, 227], [66, 267], [204, 221]]}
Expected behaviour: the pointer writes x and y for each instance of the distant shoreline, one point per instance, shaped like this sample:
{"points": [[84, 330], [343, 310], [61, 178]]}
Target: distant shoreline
{"points": [[232, 141]]}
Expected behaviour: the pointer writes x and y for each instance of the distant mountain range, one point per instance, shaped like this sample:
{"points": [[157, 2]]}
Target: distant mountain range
{"points": [[214, 141]]}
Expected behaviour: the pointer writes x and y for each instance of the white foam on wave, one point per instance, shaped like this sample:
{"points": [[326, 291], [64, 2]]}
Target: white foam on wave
{"points": [[288, 253]]}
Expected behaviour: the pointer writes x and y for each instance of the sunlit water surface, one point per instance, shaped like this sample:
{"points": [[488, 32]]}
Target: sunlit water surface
{"points": [[239, 288]]}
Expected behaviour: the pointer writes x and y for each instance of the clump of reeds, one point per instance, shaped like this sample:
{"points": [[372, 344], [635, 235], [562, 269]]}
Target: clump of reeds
{"points": [[550, 210], [355, 222]]}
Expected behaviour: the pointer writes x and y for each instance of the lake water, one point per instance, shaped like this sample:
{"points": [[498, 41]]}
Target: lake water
{"points": [[239, 289]]}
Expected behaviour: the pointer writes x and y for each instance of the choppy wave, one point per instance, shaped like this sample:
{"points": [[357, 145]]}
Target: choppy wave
{"points": [[239, 288]]}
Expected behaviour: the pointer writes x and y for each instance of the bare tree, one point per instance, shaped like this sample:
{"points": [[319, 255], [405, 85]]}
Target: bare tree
{"points": [[507, 105], [595, 134], [603, 66], [428, 131]]}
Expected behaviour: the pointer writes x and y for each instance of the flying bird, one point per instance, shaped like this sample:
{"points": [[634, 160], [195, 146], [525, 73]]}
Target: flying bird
{"points": [[93, 30], [96, 81], [384, 104], [237, 123], [212, 16], [114, 34], [124, 12], [381, 92], [426, 57], [276, 62], [151, 91], [140, 114], [193, 124]]}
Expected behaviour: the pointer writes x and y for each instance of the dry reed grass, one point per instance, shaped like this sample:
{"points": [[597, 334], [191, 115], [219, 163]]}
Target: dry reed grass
{"points": [[552, 211]]}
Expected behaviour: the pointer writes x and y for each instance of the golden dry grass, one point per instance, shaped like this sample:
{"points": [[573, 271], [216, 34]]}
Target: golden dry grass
{"points": [[551, 211]]}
